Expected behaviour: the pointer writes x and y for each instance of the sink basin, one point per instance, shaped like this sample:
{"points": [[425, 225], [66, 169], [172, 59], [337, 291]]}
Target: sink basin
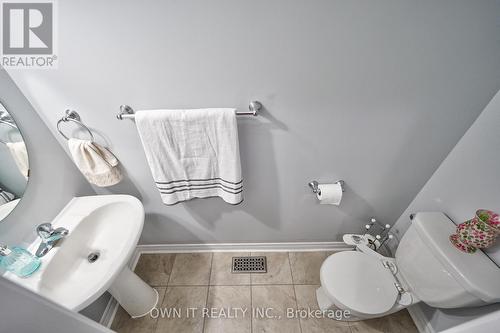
{"points": [[103, 233]]}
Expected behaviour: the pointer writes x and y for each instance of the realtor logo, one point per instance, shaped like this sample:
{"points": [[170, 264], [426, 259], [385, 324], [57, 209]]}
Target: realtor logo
{"points": [[28, 34]]}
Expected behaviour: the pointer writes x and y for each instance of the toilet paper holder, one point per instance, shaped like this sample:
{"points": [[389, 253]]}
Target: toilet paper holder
{"points": [[314, 185]]}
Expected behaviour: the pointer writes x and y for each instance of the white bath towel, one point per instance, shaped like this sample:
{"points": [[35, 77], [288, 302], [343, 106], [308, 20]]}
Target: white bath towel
{"points": [[96, 163], [192, 153], [5, 197], [20, 156]]}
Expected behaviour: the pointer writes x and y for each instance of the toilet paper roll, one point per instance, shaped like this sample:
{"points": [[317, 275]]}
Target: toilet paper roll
{"points": [[330, 194]]}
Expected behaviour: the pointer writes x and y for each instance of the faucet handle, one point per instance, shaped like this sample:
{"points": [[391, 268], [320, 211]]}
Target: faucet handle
{"points": [[47, 232], [44, 230]]}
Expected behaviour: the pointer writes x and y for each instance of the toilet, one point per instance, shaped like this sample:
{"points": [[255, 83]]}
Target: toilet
{"points": [[426, 268]]}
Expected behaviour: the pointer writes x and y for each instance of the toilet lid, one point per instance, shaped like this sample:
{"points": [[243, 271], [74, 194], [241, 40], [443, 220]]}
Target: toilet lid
{"points": [[358, 281]]}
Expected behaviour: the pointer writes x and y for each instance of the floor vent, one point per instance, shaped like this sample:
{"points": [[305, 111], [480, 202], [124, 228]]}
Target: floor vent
{"points": [[254, 264]]}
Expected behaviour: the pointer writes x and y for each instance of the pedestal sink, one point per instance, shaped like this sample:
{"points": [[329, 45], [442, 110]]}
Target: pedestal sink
{"points": [[103, 233]]}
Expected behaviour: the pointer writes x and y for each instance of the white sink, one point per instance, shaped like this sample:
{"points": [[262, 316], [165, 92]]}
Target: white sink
{"points": [[107, 225]]}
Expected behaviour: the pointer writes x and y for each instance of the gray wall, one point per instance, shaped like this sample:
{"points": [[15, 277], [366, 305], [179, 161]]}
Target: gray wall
{"points": [[372, 92], [26, 312], [53, 182], [465, 181], [54, 179]]}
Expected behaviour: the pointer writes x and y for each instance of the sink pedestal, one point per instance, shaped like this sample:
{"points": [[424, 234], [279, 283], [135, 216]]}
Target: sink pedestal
{"points": [[133, 294]]}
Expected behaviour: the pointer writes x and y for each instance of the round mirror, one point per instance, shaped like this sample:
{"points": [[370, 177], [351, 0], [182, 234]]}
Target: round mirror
{"points": [[14, 166]]}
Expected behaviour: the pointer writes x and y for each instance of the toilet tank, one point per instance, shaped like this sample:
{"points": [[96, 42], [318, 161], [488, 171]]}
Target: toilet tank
{"points": [[438, 273]]}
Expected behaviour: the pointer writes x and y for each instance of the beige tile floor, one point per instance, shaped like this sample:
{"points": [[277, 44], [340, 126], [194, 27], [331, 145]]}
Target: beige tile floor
{"points": [[204, 280]]}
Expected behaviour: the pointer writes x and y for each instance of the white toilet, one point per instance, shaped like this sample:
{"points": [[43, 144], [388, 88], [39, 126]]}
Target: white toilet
{"points": [[427, 268]]}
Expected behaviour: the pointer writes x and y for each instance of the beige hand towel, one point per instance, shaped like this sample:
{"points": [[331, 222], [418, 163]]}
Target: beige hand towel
{"points": [[96, 163], [20, 156]]}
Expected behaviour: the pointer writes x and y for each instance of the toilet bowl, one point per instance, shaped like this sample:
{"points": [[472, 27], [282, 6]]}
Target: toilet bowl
{"points": [[426, 267]]}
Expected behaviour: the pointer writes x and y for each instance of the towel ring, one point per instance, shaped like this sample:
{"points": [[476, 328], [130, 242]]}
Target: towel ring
{"points": [[73, 116]]}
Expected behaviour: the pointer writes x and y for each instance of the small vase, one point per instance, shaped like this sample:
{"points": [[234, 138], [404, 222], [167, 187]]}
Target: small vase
{"points": [[477, 233], [457, 242]]}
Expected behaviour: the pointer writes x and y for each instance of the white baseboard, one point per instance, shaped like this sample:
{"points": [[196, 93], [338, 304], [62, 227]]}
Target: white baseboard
{"points": [[420, 320], [245, 247], [109, 312], [112, 307]]}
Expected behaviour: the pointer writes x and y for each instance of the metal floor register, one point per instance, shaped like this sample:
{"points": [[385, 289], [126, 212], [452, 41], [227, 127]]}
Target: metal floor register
{"points": [[252, 264]]}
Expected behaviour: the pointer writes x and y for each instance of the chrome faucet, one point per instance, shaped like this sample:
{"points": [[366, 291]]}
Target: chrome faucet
{"points": [[49, 236]]}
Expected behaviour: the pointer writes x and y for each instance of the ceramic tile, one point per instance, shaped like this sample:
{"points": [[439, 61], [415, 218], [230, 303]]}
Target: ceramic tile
{"points": [[278, 269], [402, 322], [305, 266], [191, 269], [235, 301], [221, 270], [155, 269], [399, 322], [180, 299], [314, 321], [123, 323], [278, 298], [189, 277]]}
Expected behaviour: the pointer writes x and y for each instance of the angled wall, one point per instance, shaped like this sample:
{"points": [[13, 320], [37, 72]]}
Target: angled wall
{"points": [[54, 179], [466, 181]]}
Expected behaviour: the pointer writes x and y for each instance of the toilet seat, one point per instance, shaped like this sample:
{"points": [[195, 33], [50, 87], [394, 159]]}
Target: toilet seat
{"points": [[359, 282]]}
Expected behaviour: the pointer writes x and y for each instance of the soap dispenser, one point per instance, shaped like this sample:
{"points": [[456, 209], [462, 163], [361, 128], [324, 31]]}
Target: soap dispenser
{"points": [[18, 261]]}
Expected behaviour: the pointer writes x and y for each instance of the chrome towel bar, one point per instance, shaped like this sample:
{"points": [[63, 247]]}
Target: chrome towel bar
{"points": [[126, 112]]}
